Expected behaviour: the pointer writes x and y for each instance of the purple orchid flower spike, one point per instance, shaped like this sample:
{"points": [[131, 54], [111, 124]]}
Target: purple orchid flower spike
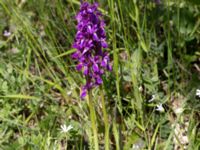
{"points": [[89, 43]]}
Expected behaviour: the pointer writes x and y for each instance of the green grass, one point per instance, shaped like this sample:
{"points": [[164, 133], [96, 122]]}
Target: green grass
{"points": [[154, 50]]}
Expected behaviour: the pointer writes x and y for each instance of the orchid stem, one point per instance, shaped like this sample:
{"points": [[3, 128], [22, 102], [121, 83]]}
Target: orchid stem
{"points": [[93, 120], [106, 124]]}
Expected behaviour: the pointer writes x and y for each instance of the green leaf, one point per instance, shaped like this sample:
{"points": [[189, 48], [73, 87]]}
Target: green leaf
{"points": [[66, 53], [19, 96]]}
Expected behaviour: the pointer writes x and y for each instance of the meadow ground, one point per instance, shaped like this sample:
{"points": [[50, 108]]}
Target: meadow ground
{"points": [[150, 100]]}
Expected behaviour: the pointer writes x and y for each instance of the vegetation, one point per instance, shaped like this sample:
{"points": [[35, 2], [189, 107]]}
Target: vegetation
{"points": [[148, 101]]}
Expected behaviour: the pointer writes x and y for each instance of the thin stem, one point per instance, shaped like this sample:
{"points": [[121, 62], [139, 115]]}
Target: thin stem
{"points": [[106, 123], [93, 120]]}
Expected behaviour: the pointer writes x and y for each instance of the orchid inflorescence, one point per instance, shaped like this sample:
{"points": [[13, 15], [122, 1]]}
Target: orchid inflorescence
{"points": [[89, 43]]}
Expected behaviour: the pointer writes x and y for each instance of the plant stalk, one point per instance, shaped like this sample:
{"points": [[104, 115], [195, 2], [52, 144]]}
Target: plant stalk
{"points": [[106, 123], [93, 120]]}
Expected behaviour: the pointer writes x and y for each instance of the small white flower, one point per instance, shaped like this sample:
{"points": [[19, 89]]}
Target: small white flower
{"points": [[65, 128], [138, 145], [178, 110], [152, 98], [69, 93], [135, 147], [198, 93], [160, 108], [140, 89], [6, 33]]}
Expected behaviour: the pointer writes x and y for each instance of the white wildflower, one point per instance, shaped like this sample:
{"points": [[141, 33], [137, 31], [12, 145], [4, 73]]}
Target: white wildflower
{"points": [[139, 145], [135, 147], [184, 139], [160, 108], [69, 93], [198, 93], [178, 110], [65, 128], [6, 33], [152, 98], [140, 89]]}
